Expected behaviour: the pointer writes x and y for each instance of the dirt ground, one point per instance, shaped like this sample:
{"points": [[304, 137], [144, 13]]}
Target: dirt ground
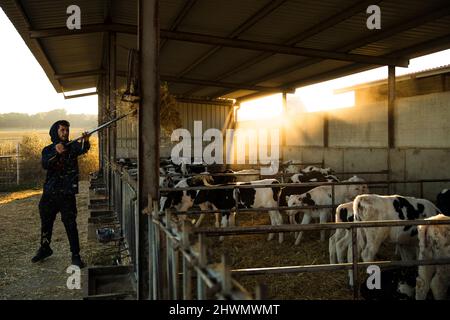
{"points": [[254, 251], [19, 240]]}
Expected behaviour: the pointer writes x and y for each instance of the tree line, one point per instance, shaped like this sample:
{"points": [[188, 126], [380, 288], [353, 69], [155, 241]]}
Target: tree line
{"points": [[44, 120]]}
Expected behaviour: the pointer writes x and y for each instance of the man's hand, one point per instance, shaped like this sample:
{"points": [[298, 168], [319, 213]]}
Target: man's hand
{"points": [[86, 136], [60, 148]]}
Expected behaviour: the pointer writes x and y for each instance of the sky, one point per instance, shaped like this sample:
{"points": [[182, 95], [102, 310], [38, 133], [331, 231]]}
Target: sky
{"points": [[24, 86]]}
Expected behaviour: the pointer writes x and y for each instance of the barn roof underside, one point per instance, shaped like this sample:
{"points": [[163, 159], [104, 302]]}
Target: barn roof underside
{"points": [[233, 49]]}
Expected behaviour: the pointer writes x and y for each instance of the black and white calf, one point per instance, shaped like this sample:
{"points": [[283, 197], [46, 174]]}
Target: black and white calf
{"points": [[372, 207], [313, 176], [322, 195], [183, 200], [434, 243], [443, 201], [340, 241], [395, 284], [226, 199]]}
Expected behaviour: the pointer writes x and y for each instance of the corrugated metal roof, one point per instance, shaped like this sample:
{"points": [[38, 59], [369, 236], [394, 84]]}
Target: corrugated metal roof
{"points": [[278, 23]]}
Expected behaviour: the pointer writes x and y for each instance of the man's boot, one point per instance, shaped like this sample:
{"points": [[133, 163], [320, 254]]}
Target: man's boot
{"points": [[76, 260], [42, 253]]}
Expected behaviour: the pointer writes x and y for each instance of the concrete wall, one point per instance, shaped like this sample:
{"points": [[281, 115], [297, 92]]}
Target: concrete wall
{"points": [[423, 121], [405, 164], [358, 142]]}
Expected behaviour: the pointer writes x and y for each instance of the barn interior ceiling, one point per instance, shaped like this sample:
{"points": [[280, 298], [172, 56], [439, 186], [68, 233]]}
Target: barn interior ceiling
{"points": [[232, 49]]}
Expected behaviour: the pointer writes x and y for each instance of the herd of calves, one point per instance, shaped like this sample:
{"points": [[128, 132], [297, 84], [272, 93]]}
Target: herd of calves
{"points": [[354, 204]]}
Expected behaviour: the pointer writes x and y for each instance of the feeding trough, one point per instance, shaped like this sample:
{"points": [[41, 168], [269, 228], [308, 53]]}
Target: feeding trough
{"points": [[110, 282]]}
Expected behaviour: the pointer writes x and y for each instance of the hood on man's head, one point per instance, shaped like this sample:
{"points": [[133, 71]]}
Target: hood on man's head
{"points": [[54, 129]]}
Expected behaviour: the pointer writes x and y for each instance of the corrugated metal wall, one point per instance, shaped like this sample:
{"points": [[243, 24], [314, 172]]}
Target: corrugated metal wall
{"points": [[211, 115]]}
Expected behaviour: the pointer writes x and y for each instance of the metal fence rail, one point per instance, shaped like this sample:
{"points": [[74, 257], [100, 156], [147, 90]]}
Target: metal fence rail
{"points": [[354, 265], [174, 253], [174, 260], [353, 226]]}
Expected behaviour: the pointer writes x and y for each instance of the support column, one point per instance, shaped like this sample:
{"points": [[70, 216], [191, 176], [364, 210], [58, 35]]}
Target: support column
{"points": [[99, 122], [283, 134], [326, 129], [391, 120], [112, 94], [106, 118], [391, 106], [111, 112], [148, 131]]}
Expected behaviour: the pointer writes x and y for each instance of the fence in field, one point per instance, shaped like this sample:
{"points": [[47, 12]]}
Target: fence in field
{"points": [[9, 164]]}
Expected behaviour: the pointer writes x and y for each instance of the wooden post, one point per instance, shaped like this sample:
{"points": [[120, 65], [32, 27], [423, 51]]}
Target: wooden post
{"points": [[17, 163], [148, 128]]}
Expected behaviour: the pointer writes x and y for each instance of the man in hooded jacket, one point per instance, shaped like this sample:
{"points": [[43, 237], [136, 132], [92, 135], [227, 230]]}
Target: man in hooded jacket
{"points": [[60, 188]]}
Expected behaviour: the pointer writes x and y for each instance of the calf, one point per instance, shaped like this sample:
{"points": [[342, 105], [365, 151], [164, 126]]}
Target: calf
{"points": [[375, 207], [182, 201], [434, 243], [313, 176], [340, 241], [443, 201], [324, 171], [322, 195], [395, 284], [226, 199]]}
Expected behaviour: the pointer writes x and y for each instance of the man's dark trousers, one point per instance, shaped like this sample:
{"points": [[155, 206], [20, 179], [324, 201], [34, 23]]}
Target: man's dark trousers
{"points": [[49, 206]]}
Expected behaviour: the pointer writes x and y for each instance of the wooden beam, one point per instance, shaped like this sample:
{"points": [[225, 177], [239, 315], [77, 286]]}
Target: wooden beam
{"points": [[221, 102], [85, 29], [81, 95], [280, 49], [148, 133], [59, 76], [208, 83]]}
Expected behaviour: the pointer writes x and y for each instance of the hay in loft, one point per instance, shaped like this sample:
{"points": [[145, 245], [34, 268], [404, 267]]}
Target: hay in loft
{"points": [[169, 115], [170, 118]]}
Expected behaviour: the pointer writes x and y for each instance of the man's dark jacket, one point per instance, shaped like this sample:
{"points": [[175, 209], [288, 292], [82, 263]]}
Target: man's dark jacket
{"points": [[62, 169]]}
